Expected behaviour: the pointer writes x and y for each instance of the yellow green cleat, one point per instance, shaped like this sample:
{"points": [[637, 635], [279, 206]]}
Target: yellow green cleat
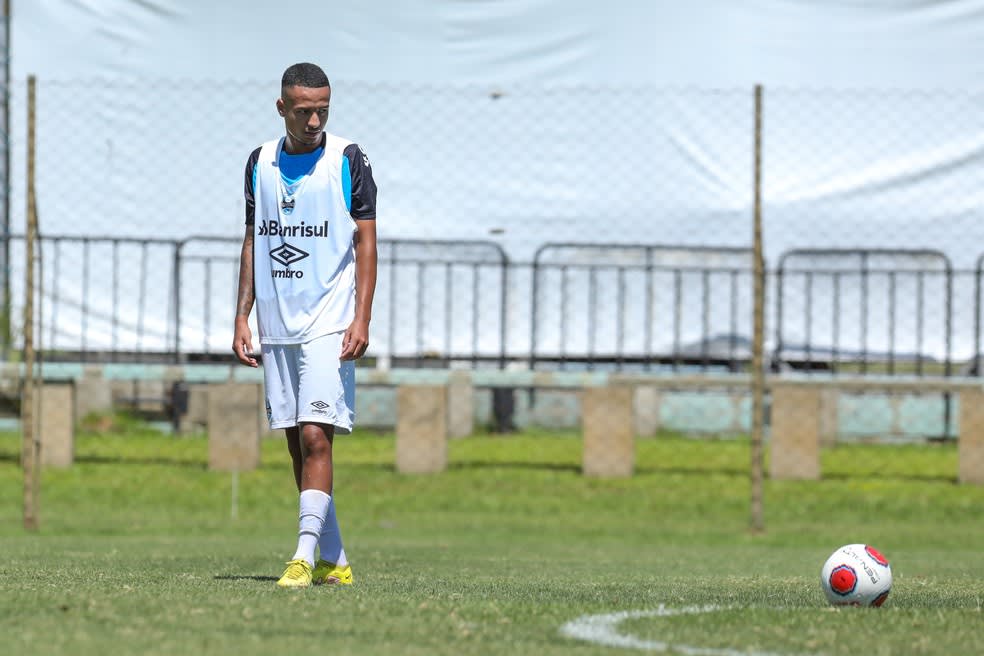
{"points": [[297, 575], [329, 573]]}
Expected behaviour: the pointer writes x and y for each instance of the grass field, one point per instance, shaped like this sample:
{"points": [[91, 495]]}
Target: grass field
{"points": [[142, 551]]}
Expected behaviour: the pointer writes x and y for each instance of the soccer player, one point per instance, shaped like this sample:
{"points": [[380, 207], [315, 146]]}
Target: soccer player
{"points": [[309, 263]]}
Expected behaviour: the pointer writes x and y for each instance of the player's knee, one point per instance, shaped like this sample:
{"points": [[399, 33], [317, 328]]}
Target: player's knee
{"points": [[316, 440]]}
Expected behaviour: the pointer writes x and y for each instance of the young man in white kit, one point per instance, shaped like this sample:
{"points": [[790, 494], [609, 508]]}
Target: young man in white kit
{"points": [[309, 264]]}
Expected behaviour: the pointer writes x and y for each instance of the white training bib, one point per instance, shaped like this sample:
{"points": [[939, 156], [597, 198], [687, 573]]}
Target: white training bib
{"points": [[303, 255]]}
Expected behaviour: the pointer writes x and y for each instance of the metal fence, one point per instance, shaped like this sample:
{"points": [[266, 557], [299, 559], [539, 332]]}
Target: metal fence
{"points": [[442, 301], [834, 299], [640, 306], [644, 307], [619, 228], [126, 299]]}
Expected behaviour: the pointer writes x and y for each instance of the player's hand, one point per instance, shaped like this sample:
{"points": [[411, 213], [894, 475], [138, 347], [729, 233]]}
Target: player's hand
{"points": [[355, 341], [242, 344]]}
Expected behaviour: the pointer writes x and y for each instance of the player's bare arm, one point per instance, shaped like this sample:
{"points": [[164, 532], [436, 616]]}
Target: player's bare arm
{"points": [[356, 339], [242, 341]]}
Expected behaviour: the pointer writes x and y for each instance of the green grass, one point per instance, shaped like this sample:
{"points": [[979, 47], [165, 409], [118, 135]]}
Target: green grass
{"points": [[139, 552]]}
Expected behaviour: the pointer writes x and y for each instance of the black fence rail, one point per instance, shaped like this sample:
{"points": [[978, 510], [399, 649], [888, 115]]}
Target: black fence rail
{"points": [[975, 367], [614, 306], [640, 305], [444, 301], [108, 297], [118, 299], [206, 281], [833, 304]]}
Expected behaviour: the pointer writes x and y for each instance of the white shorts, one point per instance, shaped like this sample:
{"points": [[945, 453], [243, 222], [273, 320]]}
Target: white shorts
{"points": [[307, 383]]}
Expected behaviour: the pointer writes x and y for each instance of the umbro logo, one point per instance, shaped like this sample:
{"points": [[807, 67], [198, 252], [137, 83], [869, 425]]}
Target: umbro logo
{"points": [[320, 405], [286, 254]]}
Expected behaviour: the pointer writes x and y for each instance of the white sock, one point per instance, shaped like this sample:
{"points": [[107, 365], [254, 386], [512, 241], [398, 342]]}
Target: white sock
{"points": [[330, 542], [314, 508]]}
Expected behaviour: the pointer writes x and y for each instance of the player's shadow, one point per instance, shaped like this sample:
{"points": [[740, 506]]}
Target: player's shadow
{"points": [[244, 577]]}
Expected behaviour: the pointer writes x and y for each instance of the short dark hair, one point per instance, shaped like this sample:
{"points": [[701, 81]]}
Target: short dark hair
{"points": [[304, 75]]}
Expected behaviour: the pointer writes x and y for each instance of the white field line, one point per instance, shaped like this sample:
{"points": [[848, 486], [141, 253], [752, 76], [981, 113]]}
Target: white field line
{"points": [[603, 630]]}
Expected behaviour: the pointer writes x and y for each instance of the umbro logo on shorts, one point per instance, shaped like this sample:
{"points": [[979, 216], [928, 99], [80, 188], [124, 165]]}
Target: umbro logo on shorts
{"points": [[320, 405]]}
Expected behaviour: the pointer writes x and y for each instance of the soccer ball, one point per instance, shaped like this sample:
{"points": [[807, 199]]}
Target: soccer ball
{"points": [[856, 575]]}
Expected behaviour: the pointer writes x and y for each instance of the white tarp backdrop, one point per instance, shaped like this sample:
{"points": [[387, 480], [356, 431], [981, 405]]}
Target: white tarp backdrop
{"points": [[705, 43], [522, 122]]}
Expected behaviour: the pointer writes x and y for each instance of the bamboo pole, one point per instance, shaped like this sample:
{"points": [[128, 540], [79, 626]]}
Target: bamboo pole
{"points": [[29, 450], [6, 319], [758, 331]]}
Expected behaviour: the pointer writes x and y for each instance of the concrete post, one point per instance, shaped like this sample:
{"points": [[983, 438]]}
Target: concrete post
{"points": [[608, 423], [57, 424], [829, 417], [196, 419], [93, 394], [461, 404], [646, 407], [795, 435], [970, 443], [233, 426], [421, 429]]}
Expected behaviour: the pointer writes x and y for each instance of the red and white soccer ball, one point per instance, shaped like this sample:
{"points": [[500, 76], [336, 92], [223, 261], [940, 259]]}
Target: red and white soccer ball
{"points": [[856, 575]]}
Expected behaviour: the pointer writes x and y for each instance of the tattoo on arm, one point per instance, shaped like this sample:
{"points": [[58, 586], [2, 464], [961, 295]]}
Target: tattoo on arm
{"points": [[246, 288]]}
